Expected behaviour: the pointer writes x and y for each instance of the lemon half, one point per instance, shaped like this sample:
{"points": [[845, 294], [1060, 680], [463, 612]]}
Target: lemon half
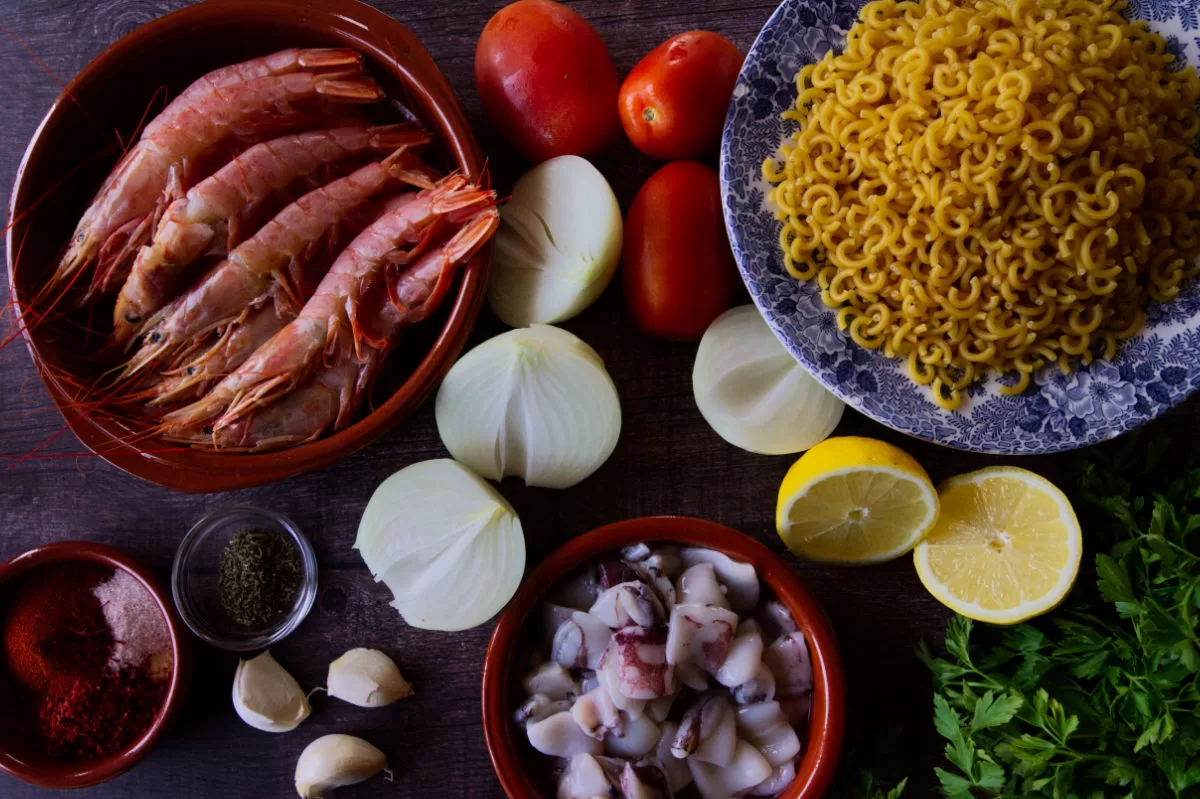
{"points": [[855, 500], [1006, 546]]}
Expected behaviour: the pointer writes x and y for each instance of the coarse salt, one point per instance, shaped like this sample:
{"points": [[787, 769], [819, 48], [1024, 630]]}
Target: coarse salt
{"points": [[138, 627]]}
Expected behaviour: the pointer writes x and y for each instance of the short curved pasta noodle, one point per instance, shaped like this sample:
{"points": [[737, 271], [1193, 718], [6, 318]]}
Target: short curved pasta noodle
{"points": [[992, 185]]}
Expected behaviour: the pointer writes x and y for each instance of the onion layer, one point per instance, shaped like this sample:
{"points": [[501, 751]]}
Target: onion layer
{"points": [[753, 393], [536, 403], [558, 245], [448, 546]]}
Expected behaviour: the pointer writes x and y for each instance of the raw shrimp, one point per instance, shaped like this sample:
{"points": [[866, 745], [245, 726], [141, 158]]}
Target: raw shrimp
{"points": [[298, 418], [252, 274], [157, 170], [236, 343], [328, 400], [314, 59], [329, 321], [206, 220], [240, 339]]}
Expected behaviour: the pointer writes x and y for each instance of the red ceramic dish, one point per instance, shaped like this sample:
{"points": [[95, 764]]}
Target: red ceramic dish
{"points": [[61, 171], [514, 760], [15, 757]]}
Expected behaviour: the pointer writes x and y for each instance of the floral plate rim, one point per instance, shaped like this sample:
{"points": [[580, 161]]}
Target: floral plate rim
{"points": [[1154, 371]]}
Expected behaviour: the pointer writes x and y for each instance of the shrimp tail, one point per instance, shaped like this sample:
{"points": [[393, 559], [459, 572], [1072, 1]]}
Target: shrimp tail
{"points": [[388, 138], [360, 89], [316, 59]]}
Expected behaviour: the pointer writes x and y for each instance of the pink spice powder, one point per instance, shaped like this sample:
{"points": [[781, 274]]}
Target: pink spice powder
{"points": [[138, 628]]}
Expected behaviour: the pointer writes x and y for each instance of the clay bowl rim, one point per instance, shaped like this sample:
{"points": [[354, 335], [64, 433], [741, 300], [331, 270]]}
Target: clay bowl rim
{"points": [[346, 23], [68, 774], [828, 714]]}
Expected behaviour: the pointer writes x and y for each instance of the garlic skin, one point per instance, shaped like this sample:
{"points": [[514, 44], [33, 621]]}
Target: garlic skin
{"points": [[367, 678], [334, 761], [266, 697]]}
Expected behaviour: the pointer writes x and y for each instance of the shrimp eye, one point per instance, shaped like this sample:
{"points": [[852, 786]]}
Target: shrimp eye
{"points": [[80, 238], [132, 318], [207, 430], [191, 370], [155, 337]]}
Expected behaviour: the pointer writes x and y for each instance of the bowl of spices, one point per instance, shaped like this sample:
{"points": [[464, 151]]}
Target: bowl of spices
{"points": [[93, 664], [244, 578]]}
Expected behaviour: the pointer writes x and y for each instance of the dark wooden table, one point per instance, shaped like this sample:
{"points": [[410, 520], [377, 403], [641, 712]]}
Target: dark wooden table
{"points": [[668, 461]]}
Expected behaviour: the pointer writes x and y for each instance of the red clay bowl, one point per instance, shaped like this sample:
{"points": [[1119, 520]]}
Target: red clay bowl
{"points": [[16, 758], [60, 172], [518, 766]]}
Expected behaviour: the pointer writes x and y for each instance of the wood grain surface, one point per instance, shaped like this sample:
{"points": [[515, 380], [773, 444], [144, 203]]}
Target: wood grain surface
{"points": [[668, 462]]}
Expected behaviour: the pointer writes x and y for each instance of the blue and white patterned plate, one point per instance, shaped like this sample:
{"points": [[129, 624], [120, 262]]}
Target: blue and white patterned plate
{"points": [[1153, 372]]}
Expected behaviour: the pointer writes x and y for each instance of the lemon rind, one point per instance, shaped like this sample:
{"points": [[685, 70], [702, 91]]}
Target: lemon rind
{"points": [[932, 506], [1029, 608]]}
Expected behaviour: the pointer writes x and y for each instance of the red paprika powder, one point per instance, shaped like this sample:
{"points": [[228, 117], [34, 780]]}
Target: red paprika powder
{"points": [[57, 646]]}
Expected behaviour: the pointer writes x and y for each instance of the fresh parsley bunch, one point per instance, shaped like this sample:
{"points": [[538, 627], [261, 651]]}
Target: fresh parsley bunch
{"points": [[1101, 698]]}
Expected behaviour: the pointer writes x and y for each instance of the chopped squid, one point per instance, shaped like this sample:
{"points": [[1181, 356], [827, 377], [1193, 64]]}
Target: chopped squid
{"points": [[540, 706], [673, 768], [553, 681], [642, 782], [560, 736], [779, 779], [636, 737], [585, 778], [708, 732], [766, 726], [746, 769], [739, 579], [663, 668], [700, 636], [629, 604], [743, 659], [698, 586], [637, 664], [597, 715], [580, 641], [787, 658]]}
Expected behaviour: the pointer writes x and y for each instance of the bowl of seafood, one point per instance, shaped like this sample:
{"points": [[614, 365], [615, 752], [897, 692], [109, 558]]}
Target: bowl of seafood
{"points": [[663, 657], [248, 238]]}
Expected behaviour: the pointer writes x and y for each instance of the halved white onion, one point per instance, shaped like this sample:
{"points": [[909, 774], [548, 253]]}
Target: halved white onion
{"points": [[753, 393], [536, 403], [448, 546], [558, 245]]}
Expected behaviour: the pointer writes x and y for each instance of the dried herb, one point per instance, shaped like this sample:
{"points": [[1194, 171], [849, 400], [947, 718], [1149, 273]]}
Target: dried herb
{"points": [[258, 578]]}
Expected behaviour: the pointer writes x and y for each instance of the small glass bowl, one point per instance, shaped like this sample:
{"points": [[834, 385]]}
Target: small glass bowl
{"points": [[194, 579]]}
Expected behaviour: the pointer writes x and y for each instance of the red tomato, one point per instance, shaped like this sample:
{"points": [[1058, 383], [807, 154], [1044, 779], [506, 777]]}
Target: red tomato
{"points": [[679, 273], [546, 80], [673, 104]]}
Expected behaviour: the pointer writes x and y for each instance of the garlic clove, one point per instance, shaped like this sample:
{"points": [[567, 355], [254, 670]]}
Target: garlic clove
{"points": [[266, 697], [334, 761], [367, 678]]}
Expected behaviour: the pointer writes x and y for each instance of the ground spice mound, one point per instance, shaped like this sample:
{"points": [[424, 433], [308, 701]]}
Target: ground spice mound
{"points": [[58, 646], [53, 625]]}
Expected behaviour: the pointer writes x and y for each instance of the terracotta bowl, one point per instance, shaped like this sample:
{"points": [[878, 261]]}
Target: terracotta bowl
{"points": [[522, 771], [61, 172], [16, 757]]}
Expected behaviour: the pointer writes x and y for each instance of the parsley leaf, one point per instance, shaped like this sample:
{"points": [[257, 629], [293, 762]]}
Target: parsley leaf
{"points": [[1100, 698]]}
